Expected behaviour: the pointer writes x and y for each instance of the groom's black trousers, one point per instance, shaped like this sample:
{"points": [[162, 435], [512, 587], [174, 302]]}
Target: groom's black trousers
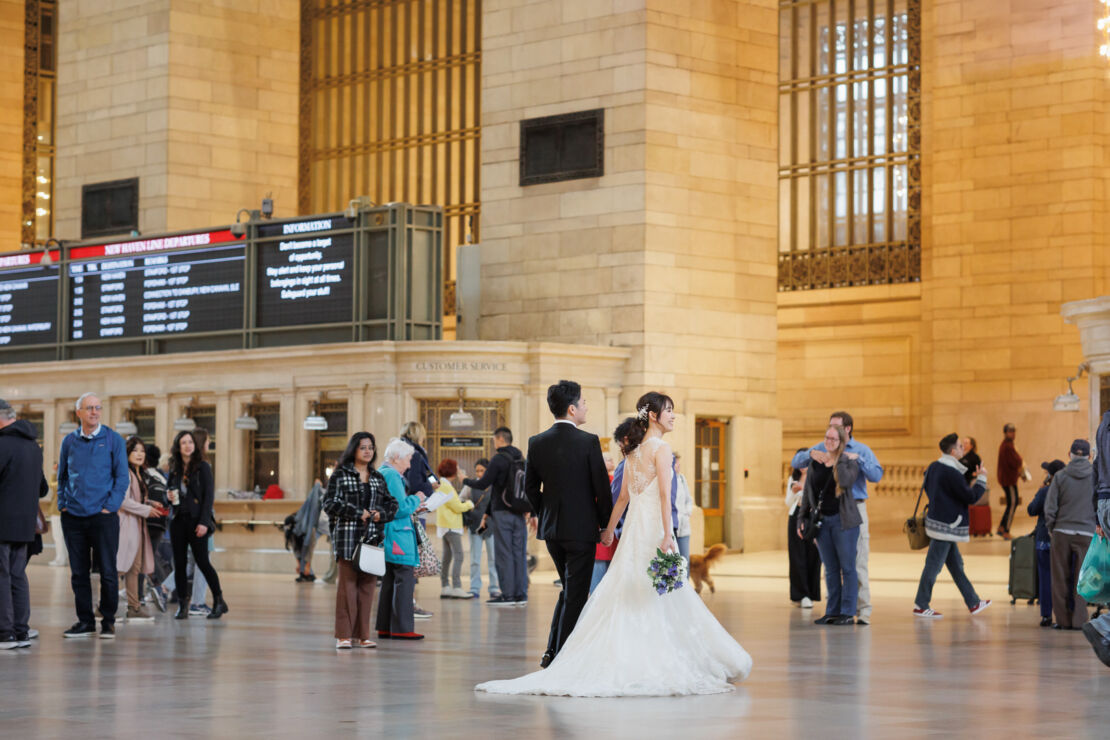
{"points": [[575, 562]]}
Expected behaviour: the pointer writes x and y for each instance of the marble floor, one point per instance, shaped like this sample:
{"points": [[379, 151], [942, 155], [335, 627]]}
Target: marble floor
{"points": [[268, 669]]}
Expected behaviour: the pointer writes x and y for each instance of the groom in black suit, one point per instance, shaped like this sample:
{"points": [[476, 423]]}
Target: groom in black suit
{"points": [[568, 488]]}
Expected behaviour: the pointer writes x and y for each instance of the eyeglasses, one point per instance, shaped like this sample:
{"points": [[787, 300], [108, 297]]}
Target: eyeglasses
{"points": [[93, 408]]}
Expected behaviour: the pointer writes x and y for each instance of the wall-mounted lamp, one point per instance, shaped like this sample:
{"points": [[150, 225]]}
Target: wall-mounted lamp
{"points": [[126, 426], [314, 422], [1069, 401], [461, 419], [186, 423]]}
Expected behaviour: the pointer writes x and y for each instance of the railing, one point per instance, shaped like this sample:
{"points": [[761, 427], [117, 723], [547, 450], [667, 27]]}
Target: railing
{"points": [[900, 480]]}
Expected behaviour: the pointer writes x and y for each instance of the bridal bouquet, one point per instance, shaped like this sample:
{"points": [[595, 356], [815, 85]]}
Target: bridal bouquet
{"points": [[667, 571]]}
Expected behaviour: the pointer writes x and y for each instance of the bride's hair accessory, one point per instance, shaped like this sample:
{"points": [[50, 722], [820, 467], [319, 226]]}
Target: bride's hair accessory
{"points": [[642, 414]]}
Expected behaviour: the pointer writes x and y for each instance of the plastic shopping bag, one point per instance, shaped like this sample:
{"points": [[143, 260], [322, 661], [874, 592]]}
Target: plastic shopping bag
{"points": [[1094, 577]]}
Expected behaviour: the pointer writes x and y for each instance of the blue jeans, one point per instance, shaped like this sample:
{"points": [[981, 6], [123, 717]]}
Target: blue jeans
{"points": [[476, 543], [1044, 578], [684, 546], [944, 553], [837, 547], [601, 567]]}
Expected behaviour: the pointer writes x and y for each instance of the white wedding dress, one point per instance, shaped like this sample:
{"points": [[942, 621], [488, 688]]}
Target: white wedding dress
{"points": [[630, 641]]}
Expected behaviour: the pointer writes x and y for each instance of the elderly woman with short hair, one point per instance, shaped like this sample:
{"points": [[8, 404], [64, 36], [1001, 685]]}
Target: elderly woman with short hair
{"points": [[395, 604]]}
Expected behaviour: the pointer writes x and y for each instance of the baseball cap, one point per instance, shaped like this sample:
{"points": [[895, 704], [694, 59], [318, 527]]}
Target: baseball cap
{"points": [[1081, 447], [1053, 467]]}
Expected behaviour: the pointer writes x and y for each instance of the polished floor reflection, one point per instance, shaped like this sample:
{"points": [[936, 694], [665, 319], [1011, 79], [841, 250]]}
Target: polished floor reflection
{"points": [[268, 669]]}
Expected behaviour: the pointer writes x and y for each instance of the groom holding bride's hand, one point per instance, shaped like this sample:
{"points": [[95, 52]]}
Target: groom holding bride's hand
{"points": [[568, 488]]}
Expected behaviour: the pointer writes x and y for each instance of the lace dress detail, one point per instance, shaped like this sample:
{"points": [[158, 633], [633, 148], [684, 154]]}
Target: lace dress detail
{"points": [[629, 641]]}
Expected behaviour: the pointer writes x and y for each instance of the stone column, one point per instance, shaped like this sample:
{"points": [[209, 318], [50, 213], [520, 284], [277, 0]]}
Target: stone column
{"points": [[223, 432], [197, 100], [1092, 317], [289, 441], [672, 252]]}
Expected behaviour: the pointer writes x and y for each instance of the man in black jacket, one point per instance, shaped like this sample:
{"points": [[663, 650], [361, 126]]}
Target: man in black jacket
{"points": [[21, 485], [568, 488], [510, 528]]}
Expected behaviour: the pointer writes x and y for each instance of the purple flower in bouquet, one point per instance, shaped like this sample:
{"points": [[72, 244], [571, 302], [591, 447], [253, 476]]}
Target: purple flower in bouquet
{"points": [[667, 571]]}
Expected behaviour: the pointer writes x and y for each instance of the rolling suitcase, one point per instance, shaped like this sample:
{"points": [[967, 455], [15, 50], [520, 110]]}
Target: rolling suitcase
{"points": [[1023, 568], [979, 524]]}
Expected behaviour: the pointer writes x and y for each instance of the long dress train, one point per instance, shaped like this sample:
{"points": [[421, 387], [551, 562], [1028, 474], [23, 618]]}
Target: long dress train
{"points": [[630, 641]]}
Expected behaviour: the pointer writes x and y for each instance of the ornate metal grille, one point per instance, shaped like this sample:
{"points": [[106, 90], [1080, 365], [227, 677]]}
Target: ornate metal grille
{"points": [[443, 441], [850, 143], [39, 82], [389, 109]]}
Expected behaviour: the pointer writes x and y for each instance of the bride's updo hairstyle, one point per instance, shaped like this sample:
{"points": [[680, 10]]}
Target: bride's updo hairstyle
{"points": [[650, 402]]}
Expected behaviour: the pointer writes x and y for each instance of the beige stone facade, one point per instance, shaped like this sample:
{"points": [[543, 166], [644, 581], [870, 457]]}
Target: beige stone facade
{"points": [[1014, 214], [672, 251], [11, 122], [196, 99], [381, 382]]}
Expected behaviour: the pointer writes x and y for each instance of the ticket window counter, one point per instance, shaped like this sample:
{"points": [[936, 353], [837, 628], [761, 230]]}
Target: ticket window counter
{"points": [[264, 446], [465, 446], [711, 476]]}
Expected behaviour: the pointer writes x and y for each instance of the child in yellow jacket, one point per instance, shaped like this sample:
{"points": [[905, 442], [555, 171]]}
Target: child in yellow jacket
{"points": [[449, 525]]}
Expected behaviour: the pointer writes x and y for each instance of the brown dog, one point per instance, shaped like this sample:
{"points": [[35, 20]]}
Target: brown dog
{"points": [[699, 567]]}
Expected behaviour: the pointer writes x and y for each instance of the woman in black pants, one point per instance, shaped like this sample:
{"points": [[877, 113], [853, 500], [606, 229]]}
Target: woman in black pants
{"points": [[192, 492], [805, 561]]}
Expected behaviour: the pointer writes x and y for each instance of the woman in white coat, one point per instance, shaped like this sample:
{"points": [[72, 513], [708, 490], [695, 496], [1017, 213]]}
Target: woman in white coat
{"points": [[135, 554]]}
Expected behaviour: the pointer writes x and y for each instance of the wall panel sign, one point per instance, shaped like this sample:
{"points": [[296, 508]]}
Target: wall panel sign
{"points": [[29, 298], [465, 442], [156, 287], [305, 274]]}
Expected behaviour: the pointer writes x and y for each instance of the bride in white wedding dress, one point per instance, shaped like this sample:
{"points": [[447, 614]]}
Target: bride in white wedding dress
{"points": [[629, 640]]}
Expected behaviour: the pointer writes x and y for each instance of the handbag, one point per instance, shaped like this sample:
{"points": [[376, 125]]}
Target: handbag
{"points": [[811, 519], [370, 558], [42, 526], [915, 525], [429, 561]]}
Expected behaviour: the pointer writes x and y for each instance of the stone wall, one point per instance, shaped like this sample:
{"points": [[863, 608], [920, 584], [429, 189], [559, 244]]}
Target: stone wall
{"points": [[11, 122], [1014, 225], [672, 252], [197, 99]]}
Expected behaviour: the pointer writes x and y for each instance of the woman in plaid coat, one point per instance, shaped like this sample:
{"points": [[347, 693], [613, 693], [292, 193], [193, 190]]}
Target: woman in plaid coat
{"points": [[357, 503]]}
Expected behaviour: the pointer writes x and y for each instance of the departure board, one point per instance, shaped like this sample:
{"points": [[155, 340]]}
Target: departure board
{"points": [[29, 298], [156, 287], [305, 276]]}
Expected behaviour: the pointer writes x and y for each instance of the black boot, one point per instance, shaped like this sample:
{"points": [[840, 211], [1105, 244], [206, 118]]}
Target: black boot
{"points": [[182, 610], [219, 607]]}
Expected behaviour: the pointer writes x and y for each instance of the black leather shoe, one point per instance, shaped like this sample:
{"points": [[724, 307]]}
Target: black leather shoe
{"points": [[546, 659], [1046, 621], [842, 620], [826, 619], [182, 611], [219, 608]]}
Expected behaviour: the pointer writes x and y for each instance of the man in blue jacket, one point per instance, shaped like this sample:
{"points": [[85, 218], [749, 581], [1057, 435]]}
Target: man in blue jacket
{"points": [[92, 481], [870, 470]]}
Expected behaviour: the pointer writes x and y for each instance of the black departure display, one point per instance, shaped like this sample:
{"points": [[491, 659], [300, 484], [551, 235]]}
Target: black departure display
{"points": [[306, 276], [143, 291], [28, 299]]}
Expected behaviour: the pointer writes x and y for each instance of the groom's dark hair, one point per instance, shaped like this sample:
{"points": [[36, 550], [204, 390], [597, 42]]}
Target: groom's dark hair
{"points": [[562, 396]]}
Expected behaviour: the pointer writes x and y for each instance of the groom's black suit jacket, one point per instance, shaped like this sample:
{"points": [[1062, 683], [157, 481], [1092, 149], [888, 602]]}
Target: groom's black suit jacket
{"points": [[567, 485]]}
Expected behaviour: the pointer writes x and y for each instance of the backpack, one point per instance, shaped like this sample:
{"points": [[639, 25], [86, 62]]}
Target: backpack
{"points": [[513, 496]]}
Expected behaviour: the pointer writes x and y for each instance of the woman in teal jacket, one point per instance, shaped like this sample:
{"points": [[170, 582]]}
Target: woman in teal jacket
{"points": [[395, 615]]}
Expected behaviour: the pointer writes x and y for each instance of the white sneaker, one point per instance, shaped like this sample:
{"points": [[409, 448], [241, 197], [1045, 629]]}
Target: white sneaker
{"points": [[806, 603], [927, 613], [980, 607]]}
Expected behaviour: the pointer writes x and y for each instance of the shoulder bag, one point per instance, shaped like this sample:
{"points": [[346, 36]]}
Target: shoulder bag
{"points": [[370, 558], [429, 561], [915, 525]]}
